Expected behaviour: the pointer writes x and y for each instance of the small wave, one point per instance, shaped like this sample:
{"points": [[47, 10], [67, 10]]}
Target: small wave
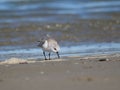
{"points": [[34, 53]]}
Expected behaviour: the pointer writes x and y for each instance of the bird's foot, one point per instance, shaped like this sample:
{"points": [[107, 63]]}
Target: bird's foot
{"points": [[46, 59]]}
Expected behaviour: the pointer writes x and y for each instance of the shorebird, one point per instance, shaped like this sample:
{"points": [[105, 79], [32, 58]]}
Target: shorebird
{"points": [[49, 45]]}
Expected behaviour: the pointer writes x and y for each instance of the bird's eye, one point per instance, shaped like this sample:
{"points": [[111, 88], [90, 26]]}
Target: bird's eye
{"points": [[54, 48]]}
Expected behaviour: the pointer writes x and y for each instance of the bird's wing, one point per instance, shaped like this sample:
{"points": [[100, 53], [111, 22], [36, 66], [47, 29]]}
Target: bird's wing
{"points": [[41, 42]]}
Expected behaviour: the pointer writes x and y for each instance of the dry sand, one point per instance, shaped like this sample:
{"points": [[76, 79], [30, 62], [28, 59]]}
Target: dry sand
{"points": [[100, 72]]}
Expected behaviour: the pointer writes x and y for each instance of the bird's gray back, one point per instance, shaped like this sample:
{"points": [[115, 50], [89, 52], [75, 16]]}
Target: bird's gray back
{"points": [[52, 43]]}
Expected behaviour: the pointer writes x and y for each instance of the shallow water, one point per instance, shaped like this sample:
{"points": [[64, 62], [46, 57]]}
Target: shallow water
{"points": [[78, 24], [80, 50]]}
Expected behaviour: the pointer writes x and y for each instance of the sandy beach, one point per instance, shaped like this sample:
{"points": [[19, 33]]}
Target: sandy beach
{"points": [[87, 31], [99, 72]]}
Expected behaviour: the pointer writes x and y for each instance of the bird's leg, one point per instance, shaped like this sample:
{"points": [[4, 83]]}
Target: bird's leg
{"points": [[49, 55], [44, 55], [58, 55]]}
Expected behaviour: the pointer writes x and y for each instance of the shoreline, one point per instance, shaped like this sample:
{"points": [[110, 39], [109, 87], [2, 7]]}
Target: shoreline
{"points": [[106, 57], [80, 50]]}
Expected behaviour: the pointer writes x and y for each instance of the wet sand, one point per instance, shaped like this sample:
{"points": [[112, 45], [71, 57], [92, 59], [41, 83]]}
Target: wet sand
{"points": [[99, 72]]}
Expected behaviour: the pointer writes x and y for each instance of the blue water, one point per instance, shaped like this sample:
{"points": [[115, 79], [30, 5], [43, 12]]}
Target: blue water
{"points": [[54, 10], [82, 27], [36, 53]]}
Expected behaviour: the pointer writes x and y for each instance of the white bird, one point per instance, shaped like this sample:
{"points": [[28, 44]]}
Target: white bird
{"points": [[49, 45]]}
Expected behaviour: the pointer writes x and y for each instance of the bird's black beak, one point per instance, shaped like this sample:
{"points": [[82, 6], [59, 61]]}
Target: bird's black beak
{"points": [[58, 54]]}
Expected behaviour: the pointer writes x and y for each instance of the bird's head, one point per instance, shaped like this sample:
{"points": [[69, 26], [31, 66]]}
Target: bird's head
{"points": [[56, 49]]}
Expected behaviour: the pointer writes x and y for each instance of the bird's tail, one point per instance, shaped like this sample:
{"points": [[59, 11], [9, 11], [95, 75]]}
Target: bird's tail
{"points": [[41, 42]]}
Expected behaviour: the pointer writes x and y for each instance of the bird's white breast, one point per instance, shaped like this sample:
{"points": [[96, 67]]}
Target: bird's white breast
{"points": [[45, 46]]}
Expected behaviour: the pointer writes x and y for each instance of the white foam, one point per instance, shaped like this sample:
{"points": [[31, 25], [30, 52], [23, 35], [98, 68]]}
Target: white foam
{"points": [[24, 61], [15, 61]]}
